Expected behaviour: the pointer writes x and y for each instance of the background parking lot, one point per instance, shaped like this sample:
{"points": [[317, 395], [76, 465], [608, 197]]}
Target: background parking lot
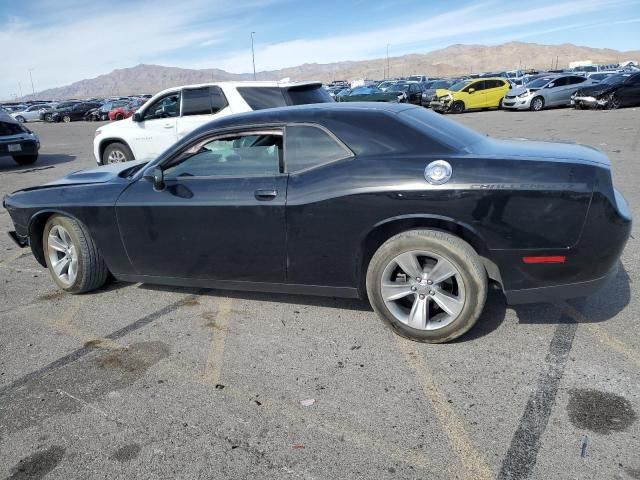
{"points": [[139, 381]]}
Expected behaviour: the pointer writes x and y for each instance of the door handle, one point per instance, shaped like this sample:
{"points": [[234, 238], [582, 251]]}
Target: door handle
{"points": [[167, 125], [266, 194]]}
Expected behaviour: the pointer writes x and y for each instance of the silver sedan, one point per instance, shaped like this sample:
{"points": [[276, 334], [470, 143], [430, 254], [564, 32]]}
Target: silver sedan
{"points": [[543, 92]]}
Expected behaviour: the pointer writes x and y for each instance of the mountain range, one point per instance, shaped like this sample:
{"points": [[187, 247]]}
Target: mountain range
{"points": [[453, 60]]}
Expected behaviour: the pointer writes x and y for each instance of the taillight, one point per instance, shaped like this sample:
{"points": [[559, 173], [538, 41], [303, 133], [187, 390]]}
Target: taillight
{"points": [[545, 259]]}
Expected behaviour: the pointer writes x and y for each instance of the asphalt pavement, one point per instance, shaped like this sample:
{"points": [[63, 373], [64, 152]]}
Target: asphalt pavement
{"points": [[140, 381]]}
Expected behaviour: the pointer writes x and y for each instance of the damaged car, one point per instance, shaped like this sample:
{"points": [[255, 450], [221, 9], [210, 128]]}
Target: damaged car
{"points": [[545, 92], [621, 90]]}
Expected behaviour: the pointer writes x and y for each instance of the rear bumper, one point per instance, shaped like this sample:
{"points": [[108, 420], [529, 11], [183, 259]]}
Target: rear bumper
{"points": [[559, 292]]}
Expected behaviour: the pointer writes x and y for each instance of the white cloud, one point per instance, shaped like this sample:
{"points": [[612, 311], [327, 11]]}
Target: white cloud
{"points": [[468, 22]]}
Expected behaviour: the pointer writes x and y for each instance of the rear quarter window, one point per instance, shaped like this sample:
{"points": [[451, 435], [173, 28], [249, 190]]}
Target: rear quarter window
{"points": [[307, 94], [259, 98], [307, 146]]}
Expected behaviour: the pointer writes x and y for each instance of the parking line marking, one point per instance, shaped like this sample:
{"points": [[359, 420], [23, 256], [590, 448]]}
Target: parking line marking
{"points": [[473, 463], [602, 335], [215, 356]]}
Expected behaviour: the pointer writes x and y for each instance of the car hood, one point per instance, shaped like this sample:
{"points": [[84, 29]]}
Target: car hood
{"points": [[107, 173], [514, 92], [596, 90], [443, 91], [524, 149]]}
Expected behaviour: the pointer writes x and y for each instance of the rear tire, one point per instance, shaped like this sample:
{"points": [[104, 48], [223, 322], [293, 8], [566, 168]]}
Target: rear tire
{"points": [[85, 267], [20, 118], [119, 116], [25, 159], [66, 119], [457, 107], [116, 153], [468, 285], [613, 102], [48, 117]]}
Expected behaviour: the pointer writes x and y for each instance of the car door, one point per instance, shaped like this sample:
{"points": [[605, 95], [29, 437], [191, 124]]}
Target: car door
{"points": [[476, 97], [574, 83], [218, 216], [199, 106], [555, 91], [494, 92], [629, 91], [414, 92], [156, 130]]}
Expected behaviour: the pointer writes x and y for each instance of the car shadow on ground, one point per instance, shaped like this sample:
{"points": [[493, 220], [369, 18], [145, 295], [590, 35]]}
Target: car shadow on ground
{"points": [[45, 161]]}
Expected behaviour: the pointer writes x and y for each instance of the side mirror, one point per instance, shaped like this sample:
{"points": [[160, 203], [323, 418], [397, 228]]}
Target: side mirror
{"points": [[156, 177], [471, 90], [137, 117]]}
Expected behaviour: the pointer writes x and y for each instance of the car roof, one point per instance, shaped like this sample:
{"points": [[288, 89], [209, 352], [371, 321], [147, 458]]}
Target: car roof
{"points": [[246, 83]]}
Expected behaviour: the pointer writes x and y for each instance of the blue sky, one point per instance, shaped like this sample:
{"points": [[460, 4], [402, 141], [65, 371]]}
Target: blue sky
{"points": [[68, 40]]}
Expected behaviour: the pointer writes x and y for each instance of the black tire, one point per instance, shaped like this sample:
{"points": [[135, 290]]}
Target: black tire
{"points": [[119, 116], [92, 270], [25, 159], [116, 147], [48, 117], [613, 102], [537, 104], [453, 249], [20, 118], [500, 104], [66, 119], [457, 107]]}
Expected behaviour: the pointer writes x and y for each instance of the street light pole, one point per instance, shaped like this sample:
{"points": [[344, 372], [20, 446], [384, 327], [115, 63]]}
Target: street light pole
{"points": [[20, 88], [388, 72], [253, 56], [33, 90]]}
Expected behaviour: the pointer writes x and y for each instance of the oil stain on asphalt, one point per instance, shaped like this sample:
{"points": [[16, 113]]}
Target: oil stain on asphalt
{"points": [[599, 412], [37, 465], [126, 453], [85, 381]]}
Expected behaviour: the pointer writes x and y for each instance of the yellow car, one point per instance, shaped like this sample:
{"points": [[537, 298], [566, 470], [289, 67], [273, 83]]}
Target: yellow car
{"points": [[471, 94]]}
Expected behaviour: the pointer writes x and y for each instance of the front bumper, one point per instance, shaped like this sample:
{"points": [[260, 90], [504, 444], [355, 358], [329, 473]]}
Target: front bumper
{"points": [[586, 101], [517, 103], [439, 105]]}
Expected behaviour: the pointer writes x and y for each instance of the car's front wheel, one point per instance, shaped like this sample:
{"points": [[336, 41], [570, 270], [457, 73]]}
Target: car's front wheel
{"points": [[72, 257], [48, 117], [66, 119], [116, 153], [457, 107], [428, 285], [537, 104], [20, 118], [613, 102], [25, 159]]}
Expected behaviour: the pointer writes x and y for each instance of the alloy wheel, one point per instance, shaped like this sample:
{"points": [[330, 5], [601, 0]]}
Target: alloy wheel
{"points": [[116, 156], [423, 290], [63, 256], [537, 104], [66, 119]]}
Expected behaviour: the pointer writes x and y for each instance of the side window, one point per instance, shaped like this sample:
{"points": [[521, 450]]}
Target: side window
{"points": [[259, 98], [477, 86], [576, 80], [164, 107], [561, 82], [218, 100], [196, 101], [246, 154], [308, 146]]}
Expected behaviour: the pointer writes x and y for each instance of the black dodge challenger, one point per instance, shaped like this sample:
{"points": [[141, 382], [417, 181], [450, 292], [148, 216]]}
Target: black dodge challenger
{"points": [[388, 202]]}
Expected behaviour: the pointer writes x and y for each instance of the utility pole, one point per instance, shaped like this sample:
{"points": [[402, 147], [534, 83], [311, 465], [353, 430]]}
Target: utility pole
{"points": [[20, 88], [388, 71], [556, 62], [33, 90], [253, 56]]}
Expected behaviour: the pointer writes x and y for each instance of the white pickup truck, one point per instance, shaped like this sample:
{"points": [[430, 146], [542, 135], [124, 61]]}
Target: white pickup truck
{"points": [[171, 114]]}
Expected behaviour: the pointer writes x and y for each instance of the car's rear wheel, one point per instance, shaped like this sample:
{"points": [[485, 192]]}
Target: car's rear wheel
{"points": [[66, 119], [116, 153], [73, 260], [48, 117], [537, 104], [20, 118], [119, 116], [457, 106], [25, 159], [428, 285]]}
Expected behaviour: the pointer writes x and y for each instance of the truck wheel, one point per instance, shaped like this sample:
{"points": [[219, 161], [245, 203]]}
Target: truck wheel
{"points": [[116, 153], [72, 257], [427, 285], [25, 159]]}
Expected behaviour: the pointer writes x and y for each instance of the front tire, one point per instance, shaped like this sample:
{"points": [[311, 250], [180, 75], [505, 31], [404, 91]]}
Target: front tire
{"points": [[116, 153], [457, 107], [66, 119], [73, 260], [25, 159], [427, 285], [537, 104], [613, 102], [48, 117], [20, 118]]}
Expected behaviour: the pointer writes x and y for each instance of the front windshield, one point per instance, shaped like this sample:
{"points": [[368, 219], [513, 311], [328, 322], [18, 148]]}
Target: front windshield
{"points": [[398, 87], [364, 90], [441, 84], [456, 87], [539, 82], [415, 78], [385, 84]]}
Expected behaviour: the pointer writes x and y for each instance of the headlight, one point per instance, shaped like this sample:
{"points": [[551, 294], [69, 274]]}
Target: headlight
{"points": [[446, 97], [524, 94]]}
